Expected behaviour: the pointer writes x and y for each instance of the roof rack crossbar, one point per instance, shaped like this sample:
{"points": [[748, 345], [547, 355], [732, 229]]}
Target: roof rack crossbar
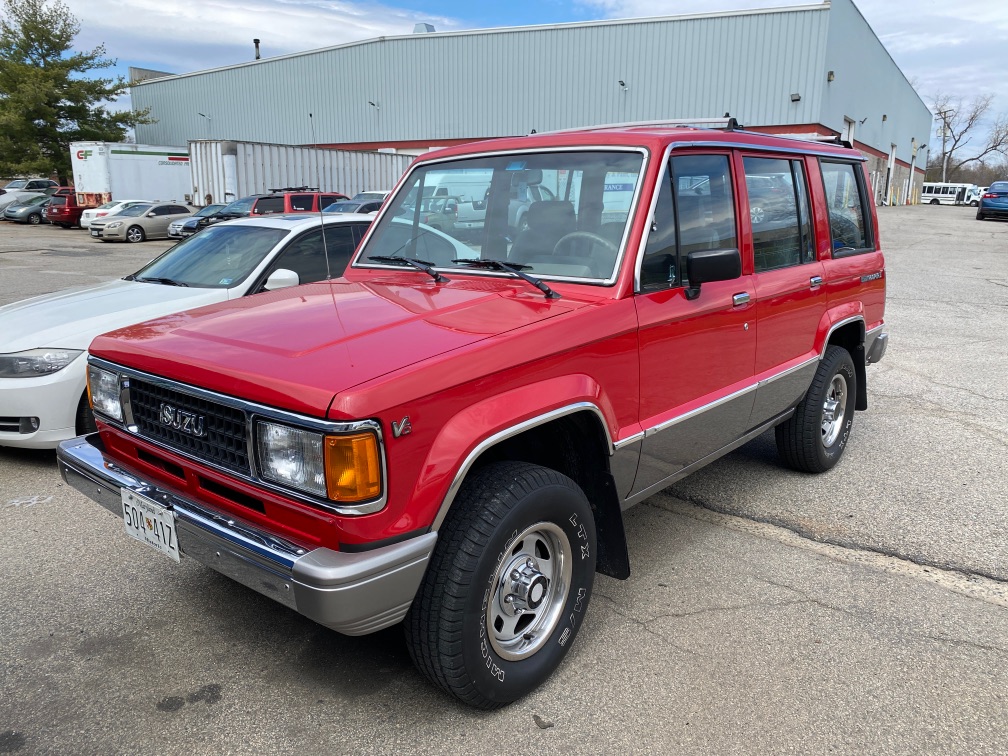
{"points": [[728, 124]]}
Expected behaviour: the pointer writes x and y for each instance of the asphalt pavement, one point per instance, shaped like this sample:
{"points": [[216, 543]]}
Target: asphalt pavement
{"points": [[864, 610]]}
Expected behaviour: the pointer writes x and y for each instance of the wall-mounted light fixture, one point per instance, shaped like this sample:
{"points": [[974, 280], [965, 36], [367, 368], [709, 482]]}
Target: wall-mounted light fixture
{"points": [[795, 97], [884, 118], [374, 105], [829, 76], [623, 85]]}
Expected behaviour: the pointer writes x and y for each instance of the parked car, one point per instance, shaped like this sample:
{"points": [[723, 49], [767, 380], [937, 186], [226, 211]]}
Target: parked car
{"points": [[27, 211], [450, 442], [17, 196], [376, 195], [183, 227], [138, 223], [43, 341], [354, 206], [63, 210], [60, 191], [994, 202], [29, 185], [109, 208]]}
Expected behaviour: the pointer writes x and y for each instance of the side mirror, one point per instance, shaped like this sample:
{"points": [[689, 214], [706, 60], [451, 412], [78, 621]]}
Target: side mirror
{"points": [[281, 278], [150, 214], [711, 265]]}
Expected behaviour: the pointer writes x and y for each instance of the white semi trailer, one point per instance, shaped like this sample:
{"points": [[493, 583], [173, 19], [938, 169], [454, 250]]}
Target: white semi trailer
{"points": [[104, 171]]}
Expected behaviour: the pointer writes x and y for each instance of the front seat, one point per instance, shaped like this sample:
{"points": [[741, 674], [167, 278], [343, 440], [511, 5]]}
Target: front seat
{"points": [[548, 222]]}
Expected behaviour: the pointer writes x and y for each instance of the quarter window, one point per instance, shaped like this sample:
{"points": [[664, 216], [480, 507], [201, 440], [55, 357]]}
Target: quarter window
{"points": [[847, 209]]}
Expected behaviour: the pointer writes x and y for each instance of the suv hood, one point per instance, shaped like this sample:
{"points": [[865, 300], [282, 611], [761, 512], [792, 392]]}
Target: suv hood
{"points": [[297, 348], [70, 319]]}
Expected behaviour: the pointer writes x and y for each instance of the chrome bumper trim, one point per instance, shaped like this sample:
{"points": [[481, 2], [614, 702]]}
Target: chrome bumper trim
{"points": [[353, 593]]}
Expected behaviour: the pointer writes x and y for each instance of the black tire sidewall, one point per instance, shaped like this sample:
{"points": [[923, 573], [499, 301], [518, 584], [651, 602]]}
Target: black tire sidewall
{"points": [[494, 677], [830, 455]]}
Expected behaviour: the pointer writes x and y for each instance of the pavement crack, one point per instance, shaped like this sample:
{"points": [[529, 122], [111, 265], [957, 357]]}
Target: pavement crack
{"points": [[968, 644]]}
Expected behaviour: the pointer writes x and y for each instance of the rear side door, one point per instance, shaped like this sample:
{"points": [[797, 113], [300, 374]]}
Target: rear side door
{"points": [[696, 355], [788, 275]]}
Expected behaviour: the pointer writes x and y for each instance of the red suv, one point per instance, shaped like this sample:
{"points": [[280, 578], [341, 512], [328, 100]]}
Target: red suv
{"points": [[63, 210], [447, 435]]}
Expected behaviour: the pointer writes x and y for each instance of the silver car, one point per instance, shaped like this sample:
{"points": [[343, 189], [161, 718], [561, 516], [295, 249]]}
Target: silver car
{"points": [[139, 222], [27, 210]]}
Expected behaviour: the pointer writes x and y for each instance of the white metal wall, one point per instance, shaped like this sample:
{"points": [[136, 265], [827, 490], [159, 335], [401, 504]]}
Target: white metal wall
{"points": [[227, 170]]}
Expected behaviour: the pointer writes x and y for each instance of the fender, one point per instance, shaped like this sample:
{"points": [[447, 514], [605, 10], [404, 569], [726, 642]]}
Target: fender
{"points": [[478, 427], [835, 319]]}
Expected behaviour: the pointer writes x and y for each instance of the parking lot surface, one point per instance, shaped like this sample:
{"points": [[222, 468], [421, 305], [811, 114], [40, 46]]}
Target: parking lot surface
{"points": [[864, 610]]}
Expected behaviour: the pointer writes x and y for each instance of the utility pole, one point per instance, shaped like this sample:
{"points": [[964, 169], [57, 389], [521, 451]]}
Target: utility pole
{"points": [[944, 135]]}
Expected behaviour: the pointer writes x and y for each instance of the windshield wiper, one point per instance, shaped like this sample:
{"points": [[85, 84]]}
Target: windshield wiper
{"points": [[515, 268], [165, 281], [426, 267]]}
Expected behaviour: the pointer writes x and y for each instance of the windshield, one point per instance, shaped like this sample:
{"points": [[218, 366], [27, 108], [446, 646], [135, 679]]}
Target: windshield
{"points": [[134, 211], [242, 206], [560, 215], [15, 185], [218, 257], [107, 205], [343, 207], [363, 196], [998, 186]]}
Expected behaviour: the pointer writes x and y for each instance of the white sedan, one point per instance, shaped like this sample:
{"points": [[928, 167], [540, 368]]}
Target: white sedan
{"points": [[44, 340], [109, 208]]}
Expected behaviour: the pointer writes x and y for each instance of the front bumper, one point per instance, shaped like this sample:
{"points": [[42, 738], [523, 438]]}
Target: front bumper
{"points": [[352, 593]]}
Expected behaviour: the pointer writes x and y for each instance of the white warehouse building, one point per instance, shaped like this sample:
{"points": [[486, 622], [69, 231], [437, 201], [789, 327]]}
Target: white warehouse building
{"points": [[810, 69]]}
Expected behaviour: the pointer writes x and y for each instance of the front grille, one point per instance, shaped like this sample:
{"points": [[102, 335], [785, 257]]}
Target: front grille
{"points": [[224, 441]]}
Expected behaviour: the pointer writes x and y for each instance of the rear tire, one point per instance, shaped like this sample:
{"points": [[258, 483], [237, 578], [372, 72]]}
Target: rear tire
{"points": [[814, 437], [980, 216], [934, 202], [507, 587]]}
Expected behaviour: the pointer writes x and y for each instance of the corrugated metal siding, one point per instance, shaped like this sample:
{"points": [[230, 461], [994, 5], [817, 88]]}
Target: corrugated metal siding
{"points": [[259, 168], [443, 86]]}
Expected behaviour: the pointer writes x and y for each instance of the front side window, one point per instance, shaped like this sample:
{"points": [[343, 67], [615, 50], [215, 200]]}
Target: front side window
{"points": [[574, 208], [695, 211], [779, 213], [847, 209], [307, 256]]}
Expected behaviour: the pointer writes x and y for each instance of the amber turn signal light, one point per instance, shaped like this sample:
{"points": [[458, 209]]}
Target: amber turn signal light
{"points": [[353, 467]]}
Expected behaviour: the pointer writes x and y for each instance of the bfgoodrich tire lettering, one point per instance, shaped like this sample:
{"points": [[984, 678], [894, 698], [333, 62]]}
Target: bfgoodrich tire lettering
{"points": [[814, 438], [515, 530]]}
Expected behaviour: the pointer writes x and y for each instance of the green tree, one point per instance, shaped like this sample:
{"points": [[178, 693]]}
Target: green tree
{"points": [[47, 99]]}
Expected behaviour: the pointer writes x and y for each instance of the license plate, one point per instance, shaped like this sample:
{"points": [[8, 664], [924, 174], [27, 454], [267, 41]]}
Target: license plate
{"points": [[150, 523], [94, 232]]}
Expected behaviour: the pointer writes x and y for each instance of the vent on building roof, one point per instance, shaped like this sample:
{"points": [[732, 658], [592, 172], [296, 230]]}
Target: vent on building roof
{"points": [[423, 29]]}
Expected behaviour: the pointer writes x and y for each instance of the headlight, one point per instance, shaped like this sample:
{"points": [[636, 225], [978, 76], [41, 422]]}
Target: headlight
{"points": [[113, 224], [344, 468], [36, 362], [103, 386]]}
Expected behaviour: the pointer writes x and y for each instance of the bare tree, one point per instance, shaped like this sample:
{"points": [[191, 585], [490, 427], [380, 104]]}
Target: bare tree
{"points": [[959, 123]]}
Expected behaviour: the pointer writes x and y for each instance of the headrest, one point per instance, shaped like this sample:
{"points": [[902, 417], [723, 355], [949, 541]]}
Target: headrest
{"points": [[551, 213], [532, 176]]}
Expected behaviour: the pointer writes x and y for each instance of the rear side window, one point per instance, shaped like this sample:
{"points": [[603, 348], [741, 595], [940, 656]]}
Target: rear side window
{"points": [[847, 209], [778, 212], [301, 201], [269, 205]]}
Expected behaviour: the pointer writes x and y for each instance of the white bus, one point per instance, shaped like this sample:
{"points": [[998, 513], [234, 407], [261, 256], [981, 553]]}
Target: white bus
{"points": [[950, 194]]}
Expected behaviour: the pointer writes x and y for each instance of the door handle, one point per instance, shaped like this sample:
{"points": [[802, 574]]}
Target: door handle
{"points": [[740, 299], [815, 282]]}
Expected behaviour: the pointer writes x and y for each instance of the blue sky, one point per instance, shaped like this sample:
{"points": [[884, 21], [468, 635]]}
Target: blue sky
{"points": [[941, 46]]}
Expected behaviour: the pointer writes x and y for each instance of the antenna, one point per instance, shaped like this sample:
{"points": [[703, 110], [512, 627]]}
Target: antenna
{"points": [[325, 247]]}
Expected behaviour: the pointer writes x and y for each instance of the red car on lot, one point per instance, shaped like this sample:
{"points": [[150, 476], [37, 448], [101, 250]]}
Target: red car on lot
{"points": [[447, 436], [63, 210]]}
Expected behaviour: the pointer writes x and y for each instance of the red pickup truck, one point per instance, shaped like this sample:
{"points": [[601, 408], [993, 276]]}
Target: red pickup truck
{"points": [[448, 435]]}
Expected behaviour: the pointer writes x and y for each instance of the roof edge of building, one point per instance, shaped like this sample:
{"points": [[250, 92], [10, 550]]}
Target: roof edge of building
{"points": [[821, 6]]}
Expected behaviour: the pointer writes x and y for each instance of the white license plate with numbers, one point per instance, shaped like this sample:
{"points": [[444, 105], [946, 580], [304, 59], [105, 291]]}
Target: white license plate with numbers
{"points": [[150, 523]]}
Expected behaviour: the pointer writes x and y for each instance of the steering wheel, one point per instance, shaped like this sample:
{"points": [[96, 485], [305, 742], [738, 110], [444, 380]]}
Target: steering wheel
{"points": [[588, 236]]}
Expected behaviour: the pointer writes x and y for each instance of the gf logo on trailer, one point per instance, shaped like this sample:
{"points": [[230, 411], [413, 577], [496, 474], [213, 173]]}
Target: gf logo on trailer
{"points": [[84, 154]]}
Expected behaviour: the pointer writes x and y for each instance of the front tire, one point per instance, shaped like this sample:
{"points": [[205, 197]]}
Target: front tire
{"points": [[814, 437], [34, 219], [85, 417], [135, 234], [507, 587], [934, 202]]}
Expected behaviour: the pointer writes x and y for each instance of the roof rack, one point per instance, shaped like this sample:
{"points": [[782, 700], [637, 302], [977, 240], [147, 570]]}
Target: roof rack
{"points": [[296, 189], [728, 123], [823, 138]]}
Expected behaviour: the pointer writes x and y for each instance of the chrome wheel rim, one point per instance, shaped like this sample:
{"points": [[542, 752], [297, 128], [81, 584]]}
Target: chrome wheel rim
{"points": [[834, 410], [134, 234], [528, 591], [756, 214]]}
